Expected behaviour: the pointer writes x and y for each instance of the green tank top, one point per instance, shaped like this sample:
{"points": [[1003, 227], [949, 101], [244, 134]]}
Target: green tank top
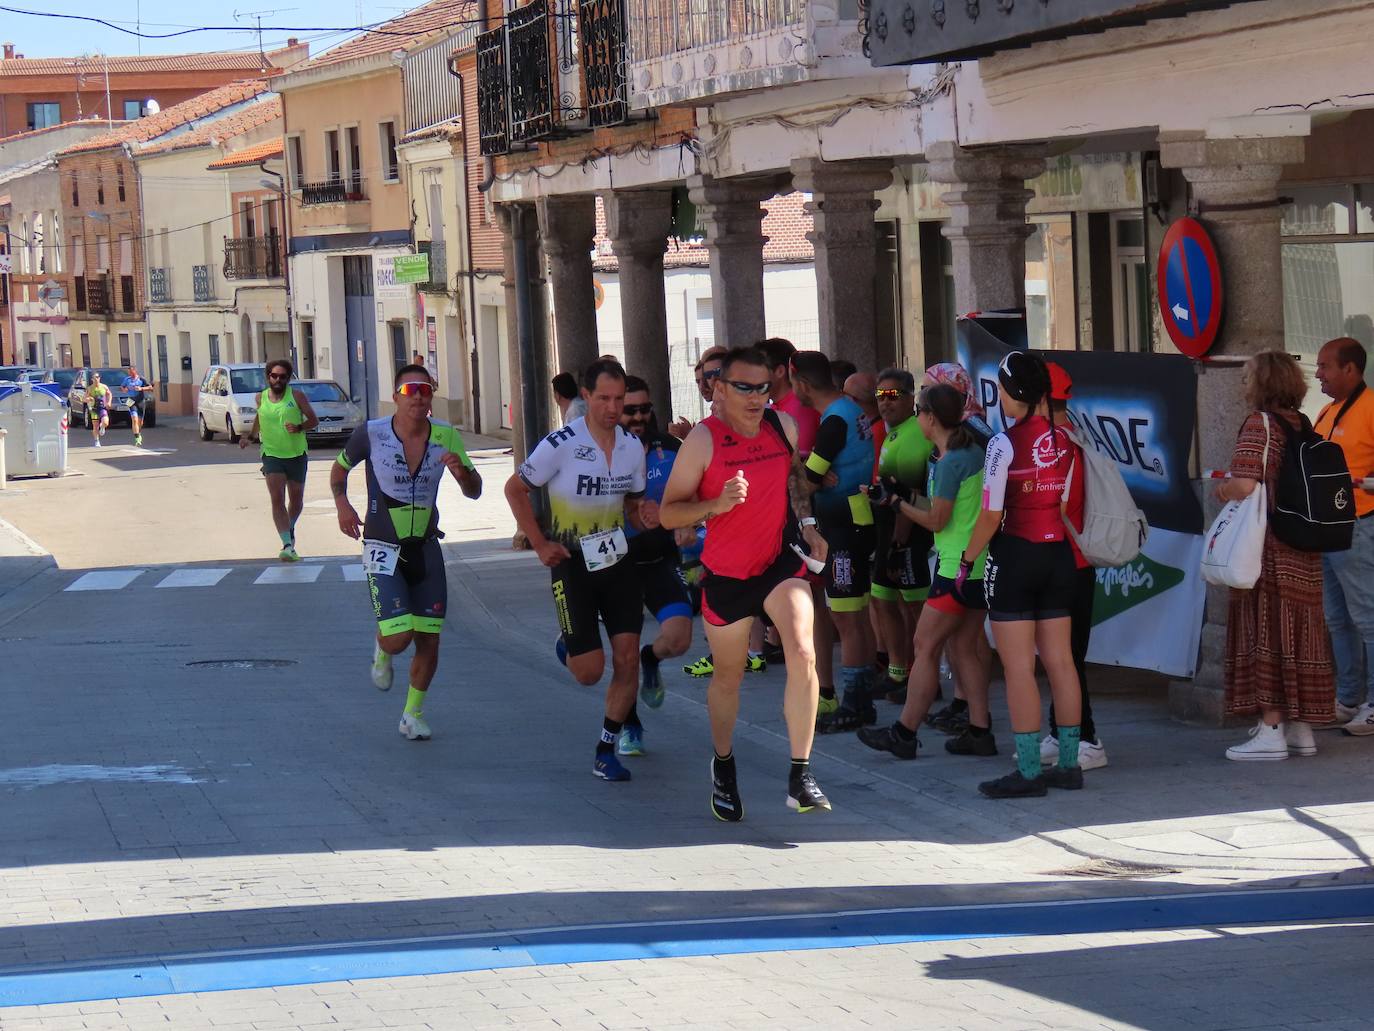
{"points": [[272, 419]]}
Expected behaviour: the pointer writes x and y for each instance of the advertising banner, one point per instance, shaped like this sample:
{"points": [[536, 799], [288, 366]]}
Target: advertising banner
{"points": [[411, 268], [1140, 411]]}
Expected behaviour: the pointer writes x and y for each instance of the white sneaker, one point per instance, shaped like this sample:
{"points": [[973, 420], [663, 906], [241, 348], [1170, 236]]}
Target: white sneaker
{"points": [[1266, 744], [1344, 714], [1362, 723], [1299, 738], [97, 441], [1090, 756], [414, 727], [381, 669]]}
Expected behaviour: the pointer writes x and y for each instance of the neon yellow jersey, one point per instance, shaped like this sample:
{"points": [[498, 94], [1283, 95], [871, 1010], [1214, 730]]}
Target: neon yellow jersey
{"points": [[272, 419], [401, 504]]}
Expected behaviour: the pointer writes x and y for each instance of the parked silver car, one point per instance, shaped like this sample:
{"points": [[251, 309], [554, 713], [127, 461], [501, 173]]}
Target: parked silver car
{"points": [[338, 415]]}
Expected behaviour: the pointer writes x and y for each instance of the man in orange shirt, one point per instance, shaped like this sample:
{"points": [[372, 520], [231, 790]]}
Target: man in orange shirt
{"points": [[1348, 576]]}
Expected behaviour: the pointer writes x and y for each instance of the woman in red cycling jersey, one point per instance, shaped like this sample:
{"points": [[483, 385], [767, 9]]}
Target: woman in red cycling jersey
{"points": [[1031, 575]]}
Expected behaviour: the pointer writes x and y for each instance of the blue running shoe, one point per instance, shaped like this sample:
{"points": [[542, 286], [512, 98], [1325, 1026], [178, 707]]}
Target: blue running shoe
{"points": [[560, 648], [608, 767], [650, 684], [631, 742]]}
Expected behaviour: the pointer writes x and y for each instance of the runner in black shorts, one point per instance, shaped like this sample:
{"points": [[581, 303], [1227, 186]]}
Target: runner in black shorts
{"points": [[657, 561], [594, 472]]}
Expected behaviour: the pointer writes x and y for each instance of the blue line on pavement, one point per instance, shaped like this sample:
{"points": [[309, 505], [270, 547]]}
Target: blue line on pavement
{"points": [[595, 943]]}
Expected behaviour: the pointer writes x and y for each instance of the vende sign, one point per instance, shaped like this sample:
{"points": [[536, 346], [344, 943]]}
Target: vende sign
{"points": [[1190, 292]]}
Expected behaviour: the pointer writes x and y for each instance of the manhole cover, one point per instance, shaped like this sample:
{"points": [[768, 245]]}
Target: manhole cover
{"points": [[241, 664]]}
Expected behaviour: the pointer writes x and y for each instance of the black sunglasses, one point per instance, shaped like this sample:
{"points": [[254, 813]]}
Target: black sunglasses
{"points": [[278, 375], [749, 388], [639, 409], [711, 374]]}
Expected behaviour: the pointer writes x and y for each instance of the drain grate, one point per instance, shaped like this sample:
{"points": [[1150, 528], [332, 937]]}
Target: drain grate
{"points": [[1110, 868], [241, 664]]}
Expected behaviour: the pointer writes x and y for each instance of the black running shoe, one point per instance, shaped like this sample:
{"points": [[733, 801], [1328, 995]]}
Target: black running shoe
{"points": [[845, 719], [886, 739], [969, 743], [804, 794], [1013, 785], [951, 721], [1070, 779], [935, 718], [726, 805]]}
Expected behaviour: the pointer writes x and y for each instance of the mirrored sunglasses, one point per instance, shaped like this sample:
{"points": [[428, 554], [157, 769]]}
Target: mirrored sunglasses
{"points": [[414, 389], [749, 388], [890, 394]]}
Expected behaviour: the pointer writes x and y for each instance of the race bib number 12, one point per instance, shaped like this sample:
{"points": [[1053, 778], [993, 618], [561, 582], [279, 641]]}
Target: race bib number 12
{"points": [[380, 558], [603, 550]]}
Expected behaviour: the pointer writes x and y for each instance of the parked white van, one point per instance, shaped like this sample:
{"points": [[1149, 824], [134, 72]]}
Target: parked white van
{"points": [[229, 399]]}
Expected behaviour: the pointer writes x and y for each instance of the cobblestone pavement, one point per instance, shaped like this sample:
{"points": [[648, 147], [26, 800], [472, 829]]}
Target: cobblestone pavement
{"points": [[195, 760]]}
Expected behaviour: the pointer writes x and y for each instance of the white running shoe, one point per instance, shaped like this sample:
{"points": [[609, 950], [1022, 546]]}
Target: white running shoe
{"points": [[413, 727], [97, 441], [1344, 714], [102, 431], [381, 669], [1362, 723], [1299, 738], [1266, 744], [1090, 756]]}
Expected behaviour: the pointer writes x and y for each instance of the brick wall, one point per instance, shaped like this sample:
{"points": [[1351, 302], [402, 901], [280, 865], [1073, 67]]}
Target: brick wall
{"points": [[91, 171]]}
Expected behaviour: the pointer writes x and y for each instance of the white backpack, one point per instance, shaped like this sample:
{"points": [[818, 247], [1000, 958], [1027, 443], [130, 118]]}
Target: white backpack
{"points": [[1114, 529]]}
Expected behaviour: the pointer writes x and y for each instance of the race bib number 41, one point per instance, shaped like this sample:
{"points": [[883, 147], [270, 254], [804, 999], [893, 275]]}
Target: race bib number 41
{"points": [[603, 550], [380, 558]]}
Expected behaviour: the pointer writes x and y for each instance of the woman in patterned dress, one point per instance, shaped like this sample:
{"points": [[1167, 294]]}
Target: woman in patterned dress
{"points": [[1278, 655]]}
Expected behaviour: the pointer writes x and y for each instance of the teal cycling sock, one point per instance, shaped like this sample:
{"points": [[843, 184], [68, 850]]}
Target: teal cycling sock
{"points": [[285, 536], [1068, 747], [1028, 755]]}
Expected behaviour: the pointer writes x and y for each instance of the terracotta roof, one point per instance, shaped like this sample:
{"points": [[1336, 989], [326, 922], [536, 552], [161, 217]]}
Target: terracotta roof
{"points": [[400, 33], [250, 155], [211, 61], [785, 225], [263, 112], [92, 123], [149, 128]]}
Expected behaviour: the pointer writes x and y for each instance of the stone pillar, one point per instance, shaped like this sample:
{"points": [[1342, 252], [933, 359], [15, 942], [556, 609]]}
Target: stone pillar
{"points": [[845, 241], [638, 223], [567, 226], [1243, 175], [526, 326], [987, 228], [731, 213]]}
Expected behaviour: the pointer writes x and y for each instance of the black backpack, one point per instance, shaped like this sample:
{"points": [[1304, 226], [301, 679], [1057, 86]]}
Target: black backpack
{"points": [[1314, 500]]}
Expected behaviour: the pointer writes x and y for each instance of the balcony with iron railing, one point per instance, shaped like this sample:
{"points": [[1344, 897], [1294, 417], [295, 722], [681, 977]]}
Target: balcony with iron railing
{"points": [[99, 296], [683, 50], [333, 205], [252, 257], [347, 190]]}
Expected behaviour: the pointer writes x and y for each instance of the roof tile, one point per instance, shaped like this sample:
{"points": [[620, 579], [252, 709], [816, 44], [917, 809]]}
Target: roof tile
{"points": [[250, 155], [264, 112], [212, 61], [149, 128], [400, 33]]}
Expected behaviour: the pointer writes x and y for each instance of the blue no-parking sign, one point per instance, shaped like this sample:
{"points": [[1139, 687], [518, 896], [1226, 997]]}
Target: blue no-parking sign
{"points": [[1190, 291]]}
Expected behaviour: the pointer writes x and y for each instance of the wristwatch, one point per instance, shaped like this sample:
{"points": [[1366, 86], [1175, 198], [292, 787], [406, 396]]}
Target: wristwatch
{"points": [[808, 521]]}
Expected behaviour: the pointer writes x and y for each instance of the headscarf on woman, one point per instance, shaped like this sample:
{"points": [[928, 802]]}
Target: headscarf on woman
{"points": [[956, 376]]}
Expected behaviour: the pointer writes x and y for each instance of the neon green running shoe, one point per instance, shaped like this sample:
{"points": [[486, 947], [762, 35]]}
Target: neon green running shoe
{"points": [[756, 664], [703, 667], [826, 706], [288, 554]]}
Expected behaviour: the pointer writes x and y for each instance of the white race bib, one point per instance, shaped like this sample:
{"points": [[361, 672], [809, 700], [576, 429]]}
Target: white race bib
{"points": [[380, 558], [603, 550]]}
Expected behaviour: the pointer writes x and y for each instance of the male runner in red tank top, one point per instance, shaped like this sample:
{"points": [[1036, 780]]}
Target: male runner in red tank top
{"points": [[739, 470]]}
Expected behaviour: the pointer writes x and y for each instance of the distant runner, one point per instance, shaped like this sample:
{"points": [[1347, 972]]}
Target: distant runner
{"points": [[406, 456], [98, 399], [283, 418], [137, 389]]}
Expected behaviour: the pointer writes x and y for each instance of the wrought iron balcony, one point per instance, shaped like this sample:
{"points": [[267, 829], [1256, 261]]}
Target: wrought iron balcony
{"points": [[333, 191], [158, 283], [493, 121], [531, 72], [200, 283], [252, 257], [911, 32], [658, 28], [602, 24], [98, 295]]}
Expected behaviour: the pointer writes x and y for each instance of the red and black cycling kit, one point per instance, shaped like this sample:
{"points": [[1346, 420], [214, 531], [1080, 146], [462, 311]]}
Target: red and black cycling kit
{"points": [[1031, 573], [745, 555]]}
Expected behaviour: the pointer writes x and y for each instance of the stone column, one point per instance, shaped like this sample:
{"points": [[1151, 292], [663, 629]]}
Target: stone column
{"points": [[845, 241], [567, 225], [1241, 175], [638, 223], [731, 213], [987, 228], [506, 215]]}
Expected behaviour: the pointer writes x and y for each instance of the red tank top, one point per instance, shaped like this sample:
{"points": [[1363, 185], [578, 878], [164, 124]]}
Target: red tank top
{"points": [[746, 540], [1036, 478]]}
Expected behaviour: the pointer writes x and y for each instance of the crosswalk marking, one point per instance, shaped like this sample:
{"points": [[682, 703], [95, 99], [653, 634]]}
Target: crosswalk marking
{"points": [[194, 578], [105, 580], [354, 573], [290, 575]]}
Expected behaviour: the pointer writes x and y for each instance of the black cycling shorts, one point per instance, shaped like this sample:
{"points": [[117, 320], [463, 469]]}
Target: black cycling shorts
{"points": [[726, 600], [946, 596], [848, 568], [585, 600], [900, 573], [1029, 580], [415, 597], [665, 589]]}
